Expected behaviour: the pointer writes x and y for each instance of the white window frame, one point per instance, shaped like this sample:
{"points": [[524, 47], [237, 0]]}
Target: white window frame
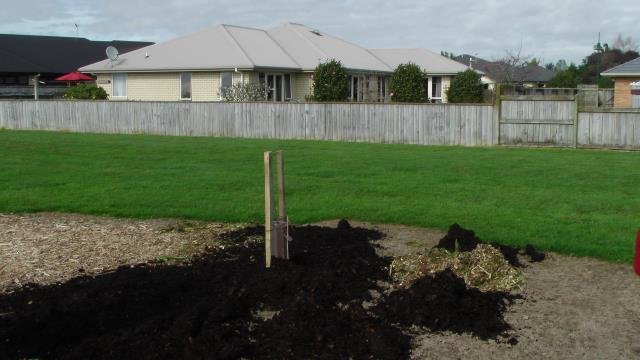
{"points": [[190, 86], [223, 73], [430, 90], [125, 78]]}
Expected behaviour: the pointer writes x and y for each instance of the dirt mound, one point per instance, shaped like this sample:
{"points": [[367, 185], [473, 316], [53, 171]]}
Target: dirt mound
{"points": [[224, 304], [461, 239], [444, 302]]}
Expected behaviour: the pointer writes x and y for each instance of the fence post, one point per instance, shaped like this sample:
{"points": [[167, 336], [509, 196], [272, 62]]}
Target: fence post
{"points": [[268, 207], [498, 109], [575, 122]]}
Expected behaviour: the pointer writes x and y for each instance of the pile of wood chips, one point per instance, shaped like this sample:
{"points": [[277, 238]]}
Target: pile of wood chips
{"points": [[484, 268]]}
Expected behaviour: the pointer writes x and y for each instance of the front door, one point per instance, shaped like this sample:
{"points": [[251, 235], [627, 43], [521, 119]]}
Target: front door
{"points": [[279, 87]]}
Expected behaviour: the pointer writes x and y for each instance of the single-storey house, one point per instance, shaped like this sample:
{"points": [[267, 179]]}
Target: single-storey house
{"points": [[499, 72], [627, 84], [24, 56], [196, 67]]}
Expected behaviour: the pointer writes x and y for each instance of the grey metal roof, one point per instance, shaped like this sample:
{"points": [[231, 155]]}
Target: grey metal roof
{"points": [[309, 47], [288, 46], [219, 47], [429, 61], [630, 68]]}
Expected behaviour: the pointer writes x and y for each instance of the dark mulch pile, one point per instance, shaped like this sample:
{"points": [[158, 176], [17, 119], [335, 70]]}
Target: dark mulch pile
{"points": [[226, 305], [444, 302], [466, 240]]}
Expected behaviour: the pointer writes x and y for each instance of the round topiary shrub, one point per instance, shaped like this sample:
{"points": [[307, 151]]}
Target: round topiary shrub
{"points": [[408, 84], [466, 87], [330, 82]]}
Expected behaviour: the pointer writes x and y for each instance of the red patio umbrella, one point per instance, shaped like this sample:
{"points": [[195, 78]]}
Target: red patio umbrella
{"points": [[75, 76]]}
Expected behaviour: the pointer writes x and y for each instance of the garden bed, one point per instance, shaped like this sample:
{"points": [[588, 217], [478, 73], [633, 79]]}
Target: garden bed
{"points": [[167, 288]]}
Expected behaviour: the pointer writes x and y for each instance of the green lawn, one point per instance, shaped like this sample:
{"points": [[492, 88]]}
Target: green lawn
{"points": [[582, 202]]}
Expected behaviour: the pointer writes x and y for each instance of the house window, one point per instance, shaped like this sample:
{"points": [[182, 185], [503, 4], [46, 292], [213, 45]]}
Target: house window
{"points": [[119, 85], [226, 80], [356, 87], [287, 87], [436, 87], [185, 86], [382, 88]]}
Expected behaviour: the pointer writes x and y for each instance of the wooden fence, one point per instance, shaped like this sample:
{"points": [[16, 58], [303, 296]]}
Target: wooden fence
{"points": [[609, 129], [427, 124], [514, 121], [537, 122]]}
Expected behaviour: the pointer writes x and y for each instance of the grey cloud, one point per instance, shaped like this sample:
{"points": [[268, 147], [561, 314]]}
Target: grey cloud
{"points": [[547, 29]]}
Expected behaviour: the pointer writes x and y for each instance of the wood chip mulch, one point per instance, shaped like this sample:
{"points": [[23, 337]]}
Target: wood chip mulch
{"points": [[46, 248]]}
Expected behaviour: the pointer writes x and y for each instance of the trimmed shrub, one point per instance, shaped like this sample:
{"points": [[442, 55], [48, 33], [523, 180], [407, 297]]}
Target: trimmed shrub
{"points": [[408, 84], [330, 82], [245, 92], [466, 87], [86, 92]]}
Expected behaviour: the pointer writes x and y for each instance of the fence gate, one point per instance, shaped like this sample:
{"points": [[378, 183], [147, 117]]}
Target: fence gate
{"points": [[531, 120]]}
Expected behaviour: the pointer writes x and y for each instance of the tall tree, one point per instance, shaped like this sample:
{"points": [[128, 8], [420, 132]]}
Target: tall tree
{"points": [[625, 44], [567, 78], [510, 68], [602, 60]]}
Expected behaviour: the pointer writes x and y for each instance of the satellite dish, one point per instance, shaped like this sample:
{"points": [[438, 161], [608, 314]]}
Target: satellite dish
{"points": [[112, 53]]}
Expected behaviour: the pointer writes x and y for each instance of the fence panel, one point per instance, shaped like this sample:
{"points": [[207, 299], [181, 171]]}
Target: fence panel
{"points": [[428, 124], [609, 129], [537, 122]]}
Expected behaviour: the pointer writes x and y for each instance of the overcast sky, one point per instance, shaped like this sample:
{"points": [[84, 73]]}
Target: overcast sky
{"points": [[547, 29]]}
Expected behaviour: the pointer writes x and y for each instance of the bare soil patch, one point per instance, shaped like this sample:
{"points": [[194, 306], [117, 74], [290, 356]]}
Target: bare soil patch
{"points": [[333, 300]]}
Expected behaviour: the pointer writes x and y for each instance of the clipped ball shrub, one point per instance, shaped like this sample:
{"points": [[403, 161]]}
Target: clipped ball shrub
{"points": [[466, 87], [330, 82], [408, 84]]}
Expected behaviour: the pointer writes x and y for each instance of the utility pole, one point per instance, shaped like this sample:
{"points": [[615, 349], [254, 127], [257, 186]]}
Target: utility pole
{"points": [[599, 50], [36, 84]]}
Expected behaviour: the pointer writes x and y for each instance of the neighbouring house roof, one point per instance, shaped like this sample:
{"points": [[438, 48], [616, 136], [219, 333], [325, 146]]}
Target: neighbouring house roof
{"points": [[289, 46], [429, 61], [218, 47], [309, 47], [54, 54], [501, 72], [630, 68]]}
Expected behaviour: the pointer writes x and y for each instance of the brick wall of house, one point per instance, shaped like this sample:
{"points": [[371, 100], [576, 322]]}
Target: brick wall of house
{"points": [[622, 94]]}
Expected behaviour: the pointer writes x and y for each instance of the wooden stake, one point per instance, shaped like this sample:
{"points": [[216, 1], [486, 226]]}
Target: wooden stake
{"points": [[282, 210], [268, 207]]}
